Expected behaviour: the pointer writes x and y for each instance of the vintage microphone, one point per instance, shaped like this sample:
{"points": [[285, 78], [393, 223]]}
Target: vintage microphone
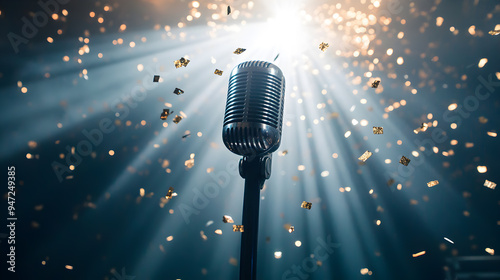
{"points": [[252, 129]]}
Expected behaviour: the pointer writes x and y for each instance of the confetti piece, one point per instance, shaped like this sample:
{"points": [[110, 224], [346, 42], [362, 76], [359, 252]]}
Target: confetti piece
{"points": [[375, 83], [291, 229], [227, 219], [203, 236], [186, 135], [169, 193], [422, 128], [490, 184], [306, 205], [323, 46], [238, 228], [404, 161], [69, 267], [177, 119], [494, 32], [378, 130], [239, 51], [178, 91], [447, 239], [165, 114], [365, 156], [278, 254], [233, 261], [218, 231], [228, 10], [276, 57], [432, 183], [218, 72], [490, 251], [181, 62], [209, 223], [492, 134], [283, 153], [156, 78], [419, 254]]}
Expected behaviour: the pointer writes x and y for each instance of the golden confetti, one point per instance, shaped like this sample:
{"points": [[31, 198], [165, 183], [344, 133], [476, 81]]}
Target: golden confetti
{"points": [[323, 46], [239, 51], [238, 228], [306, 205], [432, 183], [419, 254], [177, 119], [218, 231], [490, 184], [181, 62], [375, 84], [365, 156], [69, 267], [291, 229], [490, 251], [218, 72], [404, 161], [422, 128], [283, 153], [165, 114], [492, 134], [278, 254], [227, 219], [378, 130], [169, 193], [178, 91], [141, 192], [494, 32]]}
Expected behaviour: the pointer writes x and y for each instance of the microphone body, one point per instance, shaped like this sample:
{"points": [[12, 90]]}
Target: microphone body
{"points": [[254, 109], [252, 128]]}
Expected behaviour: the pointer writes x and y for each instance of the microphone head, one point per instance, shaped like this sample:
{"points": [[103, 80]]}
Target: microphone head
{"points": [[254, 109]]}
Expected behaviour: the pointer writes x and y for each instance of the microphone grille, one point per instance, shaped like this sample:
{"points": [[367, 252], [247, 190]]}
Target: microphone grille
{"points": [[254, 108]]}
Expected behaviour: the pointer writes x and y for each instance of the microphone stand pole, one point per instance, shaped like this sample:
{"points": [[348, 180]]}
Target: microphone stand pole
{"points": [[255, 170]]}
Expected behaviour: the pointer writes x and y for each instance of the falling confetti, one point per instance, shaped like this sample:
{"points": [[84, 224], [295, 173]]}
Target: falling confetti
{"points": [[447, 239], [419, 254], [227, 219], [156, 78], [366, 155], [432, 183], [178, 91], [404, 161], [490, 184], [378, 130], [239, 51], [237, 228], [169, 193], [323, 46], [218, 72], [181, 62], [177, 119], [375, 84], [306, 205]]}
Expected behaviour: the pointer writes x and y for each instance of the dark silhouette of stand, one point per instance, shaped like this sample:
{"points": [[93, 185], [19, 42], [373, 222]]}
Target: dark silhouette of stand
{"points": [[255, 170]]}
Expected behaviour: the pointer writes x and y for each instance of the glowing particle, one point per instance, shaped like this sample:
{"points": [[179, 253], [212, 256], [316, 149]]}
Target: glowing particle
{"points": [[490, 184], [432, 183], [238, 228], [419, 254], [482, 62], [447, 239], [481, 169], [277, 254], [306, 205], [227, 219], [366, 155]]}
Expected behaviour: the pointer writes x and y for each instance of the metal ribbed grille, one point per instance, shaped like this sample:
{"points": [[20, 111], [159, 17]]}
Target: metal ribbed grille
{"points": [[265, 93]]}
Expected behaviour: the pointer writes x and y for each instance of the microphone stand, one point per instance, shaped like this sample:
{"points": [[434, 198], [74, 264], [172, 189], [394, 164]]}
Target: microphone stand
{"points": [[255, 170]]}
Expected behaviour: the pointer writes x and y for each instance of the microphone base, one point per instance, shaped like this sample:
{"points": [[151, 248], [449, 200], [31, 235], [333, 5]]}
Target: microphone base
{"points": [[255, 170]]}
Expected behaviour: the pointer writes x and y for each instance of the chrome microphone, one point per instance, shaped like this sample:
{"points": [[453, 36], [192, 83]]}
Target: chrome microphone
{"points": [[254, 109]]}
